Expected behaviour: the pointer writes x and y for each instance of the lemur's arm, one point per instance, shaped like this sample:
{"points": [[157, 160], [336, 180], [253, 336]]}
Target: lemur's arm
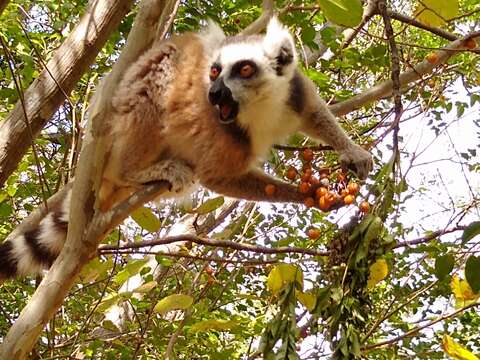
{"points": [[251, 186], [320, 123]]}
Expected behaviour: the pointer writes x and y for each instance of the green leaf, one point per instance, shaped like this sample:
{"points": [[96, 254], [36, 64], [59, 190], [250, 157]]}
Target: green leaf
{"points": [[470, 232], [472, 272], [113, 299], [146, 219], [210, 205], [435, 12], [132, 268], [373, 230], [94, 269], [444, 265], [173, 302], [215, 324], [342, 12]]}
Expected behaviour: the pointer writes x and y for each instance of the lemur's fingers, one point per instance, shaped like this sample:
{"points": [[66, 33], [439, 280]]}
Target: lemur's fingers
{"points": [[356, 159]]}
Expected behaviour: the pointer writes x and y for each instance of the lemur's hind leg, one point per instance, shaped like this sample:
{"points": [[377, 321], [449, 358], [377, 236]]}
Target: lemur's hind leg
{"points": [[178, 173]]}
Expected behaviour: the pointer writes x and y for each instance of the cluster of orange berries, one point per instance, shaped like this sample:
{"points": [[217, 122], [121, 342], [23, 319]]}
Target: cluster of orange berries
{"points": [[319, 191]]}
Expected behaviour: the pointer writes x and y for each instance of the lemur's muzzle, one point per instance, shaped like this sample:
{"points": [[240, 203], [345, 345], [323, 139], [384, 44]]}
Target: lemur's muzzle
{"points": [[219, 94]]}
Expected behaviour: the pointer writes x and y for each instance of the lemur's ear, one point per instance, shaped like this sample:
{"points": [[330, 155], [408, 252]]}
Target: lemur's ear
{"points": [[278, 44], [212, 35]]}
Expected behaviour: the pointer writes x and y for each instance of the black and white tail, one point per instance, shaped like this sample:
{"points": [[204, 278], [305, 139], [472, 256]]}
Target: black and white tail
{"points": [[35, 250]]}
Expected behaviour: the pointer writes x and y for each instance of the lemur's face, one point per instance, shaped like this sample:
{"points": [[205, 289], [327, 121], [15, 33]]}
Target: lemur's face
{"points": [[250, 69]]}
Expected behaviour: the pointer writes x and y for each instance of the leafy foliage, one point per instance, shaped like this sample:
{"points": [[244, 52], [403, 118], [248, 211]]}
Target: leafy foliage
{"points": [[399, 281]]}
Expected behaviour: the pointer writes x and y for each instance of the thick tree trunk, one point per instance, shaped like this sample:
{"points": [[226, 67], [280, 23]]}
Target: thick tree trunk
{"points": [[47, 92], [87, 228]]}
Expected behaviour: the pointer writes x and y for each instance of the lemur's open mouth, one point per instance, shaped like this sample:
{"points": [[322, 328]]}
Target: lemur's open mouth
{"points": [[221, 96], [228, 112]]}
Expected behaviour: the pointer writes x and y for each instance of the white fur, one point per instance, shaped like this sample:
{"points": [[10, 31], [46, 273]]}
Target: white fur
{"points": [[50, 236], [66, 206], [26, 263], [263, 102], [277, 36], [211, 36]]}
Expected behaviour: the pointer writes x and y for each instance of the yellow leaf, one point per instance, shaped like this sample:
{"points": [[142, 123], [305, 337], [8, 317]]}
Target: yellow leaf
{"points": [[215, 324], [173, 302], [145, 288], [462, 291], [436, 12], [94, 269], [455, 350], [378, 272], [283, 274], [307, 299]]}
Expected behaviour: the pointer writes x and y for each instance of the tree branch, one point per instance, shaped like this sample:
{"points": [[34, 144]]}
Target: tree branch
{"points": [[415, 330], [258, 25], [384, 89], [425, 239], [411, 21], [86, 228], [47, 92], [217, 243]]}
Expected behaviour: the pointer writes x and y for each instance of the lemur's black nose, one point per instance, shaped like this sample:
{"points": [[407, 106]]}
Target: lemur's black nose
{"points": [[218, 92]]}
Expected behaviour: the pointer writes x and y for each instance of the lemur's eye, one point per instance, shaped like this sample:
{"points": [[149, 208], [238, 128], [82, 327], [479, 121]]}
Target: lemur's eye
{"points": [[247, 71], [214, 72]]}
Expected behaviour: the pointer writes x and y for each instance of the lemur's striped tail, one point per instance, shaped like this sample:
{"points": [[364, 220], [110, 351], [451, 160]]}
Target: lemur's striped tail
{"points": [[36, 249]]}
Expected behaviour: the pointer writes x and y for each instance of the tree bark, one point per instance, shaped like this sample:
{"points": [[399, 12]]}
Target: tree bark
{"points": [[48, 91]]}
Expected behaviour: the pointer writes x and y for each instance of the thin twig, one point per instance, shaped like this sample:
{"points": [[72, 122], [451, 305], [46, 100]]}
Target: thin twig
{"points": [[415, 331], [218, 243]]}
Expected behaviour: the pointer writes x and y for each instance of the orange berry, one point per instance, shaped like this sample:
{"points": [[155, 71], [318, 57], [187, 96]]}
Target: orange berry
{"points": [[323, 204], [291, 173], [349, 199], [330, 197], [353, 188], [313, 233], [432, 58], [344, 193], [309, 202], [314, 180], [471, 44], [364, 206], [321, 191], [304, 187], [307, 155], [306, 176], [270, 189]]}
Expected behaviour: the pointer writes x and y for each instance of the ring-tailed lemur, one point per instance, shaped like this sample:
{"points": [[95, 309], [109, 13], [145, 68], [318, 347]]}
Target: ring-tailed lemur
{"points": [[199, 107]]}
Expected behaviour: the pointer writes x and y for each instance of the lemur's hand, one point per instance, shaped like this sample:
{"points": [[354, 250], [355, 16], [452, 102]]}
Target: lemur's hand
{"points": [[356, 159]]}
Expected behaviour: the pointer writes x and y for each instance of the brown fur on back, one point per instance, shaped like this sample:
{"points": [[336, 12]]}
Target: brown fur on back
{"points": [[161, 110]]}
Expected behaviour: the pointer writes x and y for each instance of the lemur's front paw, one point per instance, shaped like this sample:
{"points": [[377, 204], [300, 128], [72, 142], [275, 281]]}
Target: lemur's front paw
{"points": [[179, 175], [356, 159]]}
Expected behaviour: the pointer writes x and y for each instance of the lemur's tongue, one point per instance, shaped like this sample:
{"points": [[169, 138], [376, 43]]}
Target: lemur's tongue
{"points": [[225, 111]]}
